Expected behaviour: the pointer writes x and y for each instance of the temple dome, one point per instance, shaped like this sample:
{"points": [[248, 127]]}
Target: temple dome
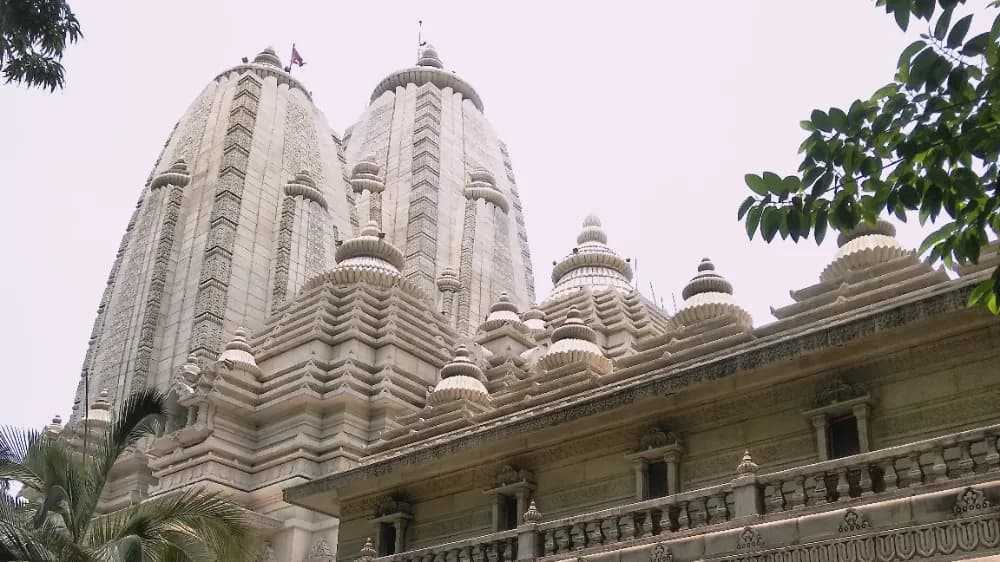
{"points": [[429, 57], [304, 185], [592, 264], [365, 176], [367, 257], [482, 185], [100, 411], [268, 57], [863, 247], [239, 353], [503, 312], [534, 319], [572, 342], [428, 70], [709, 295], [460, 380]]}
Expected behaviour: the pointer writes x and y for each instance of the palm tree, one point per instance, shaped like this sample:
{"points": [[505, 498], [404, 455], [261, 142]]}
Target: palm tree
{"points": [[60, 522]]}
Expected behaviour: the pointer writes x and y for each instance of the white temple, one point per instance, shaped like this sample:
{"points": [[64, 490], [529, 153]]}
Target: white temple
{"points": [[347, 330]]}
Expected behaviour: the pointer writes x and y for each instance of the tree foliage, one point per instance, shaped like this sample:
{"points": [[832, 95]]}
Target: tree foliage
{"points": [[927, 144], [33, 36], [56, 517]]}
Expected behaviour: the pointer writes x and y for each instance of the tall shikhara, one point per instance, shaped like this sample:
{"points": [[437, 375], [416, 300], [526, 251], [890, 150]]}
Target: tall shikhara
{"points": [[253, 190]]}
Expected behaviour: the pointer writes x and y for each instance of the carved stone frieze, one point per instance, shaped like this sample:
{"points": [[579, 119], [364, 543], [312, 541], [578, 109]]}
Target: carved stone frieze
{"points": [[853, 522], [661, 553], [971, 501]]}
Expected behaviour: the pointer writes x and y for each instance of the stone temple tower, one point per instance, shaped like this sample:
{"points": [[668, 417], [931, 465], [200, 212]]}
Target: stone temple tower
{"points": [[243, 205], [449, 200]]}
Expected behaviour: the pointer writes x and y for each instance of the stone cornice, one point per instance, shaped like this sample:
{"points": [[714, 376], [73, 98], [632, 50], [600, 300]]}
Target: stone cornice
{"points": [[665, 381], [420, 75], [264, 71]]}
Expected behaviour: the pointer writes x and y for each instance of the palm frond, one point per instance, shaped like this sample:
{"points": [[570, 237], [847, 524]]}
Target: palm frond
{"points": [[194, 523]]}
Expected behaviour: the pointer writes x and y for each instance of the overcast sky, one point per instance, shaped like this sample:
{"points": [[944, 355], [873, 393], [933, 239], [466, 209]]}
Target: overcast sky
{"points": [[647, 113]]}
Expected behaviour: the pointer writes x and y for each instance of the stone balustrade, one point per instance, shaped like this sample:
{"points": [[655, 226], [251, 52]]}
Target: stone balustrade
{"points": [[883, 472], [948, 461], [495, 547], [679, 512]]}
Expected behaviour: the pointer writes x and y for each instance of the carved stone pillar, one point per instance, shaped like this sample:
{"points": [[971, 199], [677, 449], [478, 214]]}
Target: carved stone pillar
{"points": [[861, 412], [641, 479]]}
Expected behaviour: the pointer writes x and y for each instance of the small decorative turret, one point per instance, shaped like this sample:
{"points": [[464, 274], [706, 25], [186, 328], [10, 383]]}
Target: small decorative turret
{"points": [[268, 57], [865, 246], [746, 467], [460, 379], [503, 312], [100, 411], [365, 176], [54, 428], [572, 342], [534, 319], [368, 550], [482, 185], [429, 57], [304, 185], [177, 174], [532, 515], [367, 257], [709, 295], [238, 352], [190, 370], [591, 264], [448, 281]]}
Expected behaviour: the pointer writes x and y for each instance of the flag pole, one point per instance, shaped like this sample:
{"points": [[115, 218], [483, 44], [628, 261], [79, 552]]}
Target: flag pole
{"points": [[290, 58], [420, 32]]}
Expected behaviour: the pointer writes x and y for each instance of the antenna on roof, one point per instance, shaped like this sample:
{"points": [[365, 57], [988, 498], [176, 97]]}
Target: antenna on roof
{"points": [[673, 297], [652, 291]]}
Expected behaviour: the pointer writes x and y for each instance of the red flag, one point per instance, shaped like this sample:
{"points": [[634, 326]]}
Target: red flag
{"points": [[296, 57]]}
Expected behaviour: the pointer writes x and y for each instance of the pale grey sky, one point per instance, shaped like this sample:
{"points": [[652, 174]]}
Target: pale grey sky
{"points": [[647, 113]]}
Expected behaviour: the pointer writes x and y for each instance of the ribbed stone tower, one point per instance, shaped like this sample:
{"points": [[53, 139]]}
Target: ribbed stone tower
{"points": [[446, 194], [243, 205]]}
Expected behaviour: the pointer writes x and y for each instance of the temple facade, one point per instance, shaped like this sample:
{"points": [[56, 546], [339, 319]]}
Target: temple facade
{"points": [[348, 335]]}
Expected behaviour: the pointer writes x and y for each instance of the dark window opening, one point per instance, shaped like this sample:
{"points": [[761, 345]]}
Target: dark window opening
{"points": [[508, 513], [842, 437], [656, 473], [386, 539]]}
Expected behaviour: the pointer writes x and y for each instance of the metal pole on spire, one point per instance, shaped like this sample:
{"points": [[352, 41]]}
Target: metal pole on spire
{"points": [[420, 37]]}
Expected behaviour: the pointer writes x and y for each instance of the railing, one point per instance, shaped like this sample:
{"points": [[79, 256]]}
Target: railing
{"points": [[678, 512], [495, 547], [884, 471], [877, 475]]}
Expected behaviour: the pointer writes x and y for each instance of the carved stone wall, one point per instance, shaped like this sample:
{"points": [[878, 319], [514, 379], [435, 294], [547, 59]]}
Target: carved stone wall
{"points": [[421, 222], [210, 301]]}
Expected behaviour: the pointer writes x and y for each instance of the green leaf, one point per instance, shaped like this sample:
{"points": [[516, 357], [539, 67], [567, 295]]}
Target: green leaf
{"points": [[902, 17], [981, 293], [941, 27], [958, 32], [753, 219], [756, 183], [921, 68], [888, 89], [936, 237], [838, 119], [790, 184], [821, 120], [770, 222], [772, 182], [923, 9], [821, 224], [745, 206], [807, 125], [976, 46], [903, 66]]}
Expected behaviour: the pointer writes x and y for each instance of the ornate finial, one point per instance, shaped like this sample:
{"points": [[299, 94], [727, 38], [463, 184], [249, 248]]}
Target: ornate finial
{"points": [[864, 228], [54, 427], [592, 231], [304, 185], [102, 402], [866, 245], [57, 420], [239, 353], [268, 57], [429, 57], [482, 185], [503, 313], [365, 176], [574, 341], [368, 551], [177, 174], [190, 370], [461, 378], [448, 280], [532, 515], [591, 264], [707, 281], [746, 467]]}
